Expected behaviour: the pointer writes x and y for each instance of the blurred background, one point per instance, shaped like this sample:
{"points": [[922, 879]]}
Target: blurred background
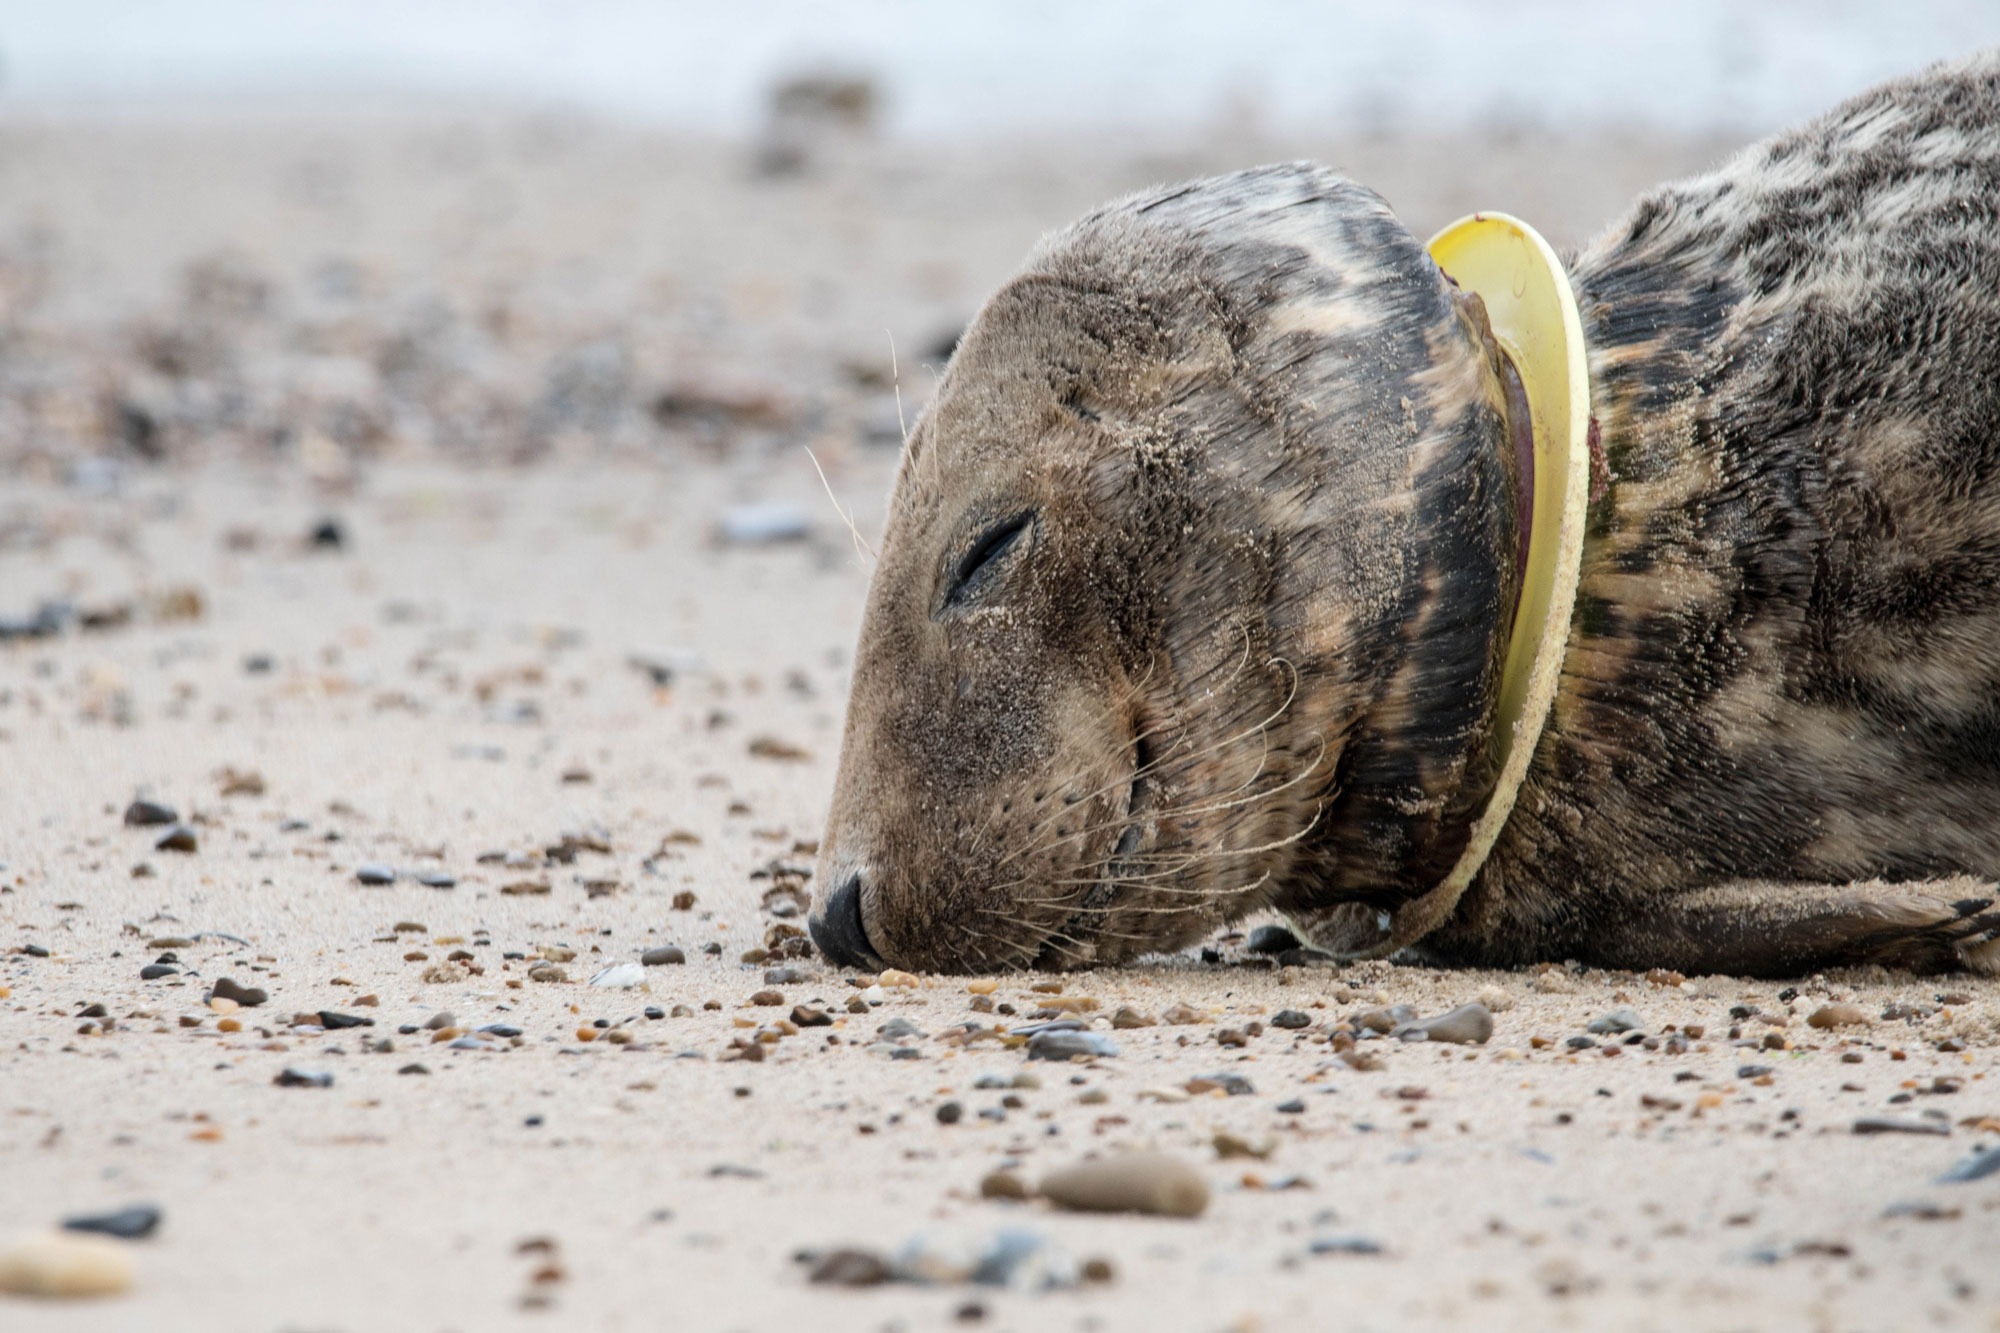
{"points": [[305, 235]]}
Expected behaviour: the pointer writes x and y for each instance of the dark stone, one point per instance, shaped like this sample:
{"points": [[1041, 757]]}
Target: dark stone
{"points": [[179, 838], [371, 873], [1291, 1018], [247, 996], [1296, 1106], [438, 879], [327, 535], [1064, 1045], [1889, 1124], [298, 1078], [851, 1268], [811, 1018], [1752, 1071], [950, 1113], [1581, 1043], [132, 1223], [330, 1020], [654, 1011], [34, 951], [413, 1069], [662, 956], [1346, 1245], [145, 814], [259, 664], [501, 1030], [154, 971], [1234, 1084]]}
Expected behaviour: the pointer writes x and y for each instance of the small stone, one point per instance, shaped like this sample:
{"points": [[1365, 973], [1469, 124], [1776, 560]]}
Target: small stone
{"points": [[413, 1069], [1618, 1020], [179, 838], [59, 1265], [850, 1268], [440, 1020], [373, 873], [1296, 1106], [899, 1029], [1467, 1025], [655, 1013], [1272, 939], [1385, 1020], [1889, 1124], [805, 1017], [147, 814], [949, 1113], [437, 879], [1064, 1045], [662, 956], [783, 976], [683, 901], [897, 979], [1976, 1167], [1235, 1085], [767, 998], [1228, 1145], [1496, 999], [549, 972], [154, 971], [1345, 1245], [1182, 1014], [1128, 1017], [1132, 1182], [247, 996], [1837, 1016], [856, 1005], [1291, 1018], [1004, 1184], [298, 1078], [620, 976], [332, 1020], [132, 1223], [501, 1030], [754, 956]]}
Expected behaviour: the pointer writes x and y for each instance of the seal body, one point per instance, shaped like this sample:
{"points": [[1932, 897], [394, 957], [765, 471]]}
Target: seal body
{"points": [[1199, 569]]}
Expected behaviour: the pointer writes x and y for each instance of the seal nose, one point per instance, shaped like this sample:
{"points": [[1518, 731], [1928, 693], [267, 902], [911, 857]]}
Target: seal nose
{"points": [[839, 931]]}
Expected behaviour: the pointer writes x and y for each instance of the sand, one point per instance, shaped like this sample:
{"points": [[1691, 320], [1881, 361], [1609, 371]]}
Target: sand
{"points": [[457, 679]]}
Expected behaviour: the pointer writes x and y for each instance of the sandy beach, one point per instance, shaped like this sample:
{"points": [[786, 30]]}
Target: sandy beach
{"points": [[426, 491]]}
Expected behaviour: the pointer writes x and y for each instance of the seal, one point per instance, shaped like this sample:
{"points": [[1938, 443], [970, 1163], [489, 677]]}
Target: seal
{"points": [[1202, 569]]}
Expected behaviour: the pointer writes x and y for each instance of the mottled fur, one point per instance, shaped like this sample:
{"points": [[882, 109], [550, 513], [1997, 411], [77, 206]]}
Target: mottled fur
{"points": [[1244, 650]]}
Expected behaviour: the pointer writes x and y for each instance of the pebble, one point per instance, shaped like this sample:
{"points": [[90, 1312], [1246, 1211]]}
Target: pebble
{"points": [[1182, 1014], [767, 998], [467, 1043], [1064, 1045], [783, 976], [895, 978], [1004, 1184], [298, 1078], [413, 1069], [1291, 1018], [1296, 1106], [1016, 1259], [1345, 1245], [332, 1020], [662, 956], [247, 996], [850, 1268], [620, 975], [372, 873], [179, 838], [1976, 1167], [653, 1011], [63, 1265], [443, 1018], [1890, 1124], [1128, 1017], [898, 1029], [1385, 1020], [1467, 1025], [1235, 1085], [950, 1113], [806, 1017], [1837, 1016], [145, 814], [1132, 1182], [437, 879], [501, 1030], [132, 1223], [1618, 1020], [154, 971]]}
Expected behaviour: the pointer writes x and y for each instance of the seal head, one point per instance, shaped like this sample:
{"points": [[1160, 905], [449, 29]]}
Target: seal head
{"points": [[1193, 593]]}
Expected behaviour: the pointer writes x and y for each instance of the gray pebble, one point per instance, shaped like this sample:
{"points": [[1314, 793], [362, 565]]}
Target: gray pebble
{"points": [[154, 971], [299, 1078], [443, 1018], [1467, 1025], [663, 955], [1976, 1167], [437, 879], [372, 873], [1063, 1045], [1291, 1018], [145, 814], [127, 1223], [898, 1029], [1618, 1020], [1891, 1124]]}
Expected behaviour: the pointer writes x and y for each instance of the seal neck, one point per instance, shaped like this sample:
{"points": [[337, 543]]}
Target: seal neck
{"points": [[1533, 315]]}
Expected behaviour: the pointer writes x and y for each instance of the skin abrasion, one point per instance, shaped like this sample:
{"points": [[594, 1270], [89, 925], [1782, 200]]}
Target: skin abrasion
{"points": [[1201, 564]]}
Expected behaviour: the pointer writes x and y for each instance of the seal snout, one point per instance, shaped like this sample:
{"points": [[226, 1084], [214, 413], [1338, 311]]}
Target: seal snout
{"points": [[839, 930]]}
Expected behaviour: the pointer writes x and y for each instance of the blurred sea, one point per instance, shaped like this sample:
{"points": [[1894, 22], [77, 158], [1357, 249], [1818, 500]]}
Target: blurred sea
{"points": [[999, 66]]}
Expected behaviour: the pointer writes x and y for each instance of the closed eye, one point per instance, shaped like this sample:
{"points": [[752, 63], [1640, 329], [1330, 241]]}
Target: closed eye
{"points": [[977, 565]]}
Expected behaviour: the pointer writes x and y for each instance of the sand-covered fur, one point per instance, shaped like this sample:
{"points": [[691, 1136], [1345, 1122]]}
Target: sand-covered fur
{"points": [[1199, 568]]}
